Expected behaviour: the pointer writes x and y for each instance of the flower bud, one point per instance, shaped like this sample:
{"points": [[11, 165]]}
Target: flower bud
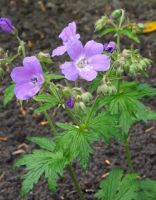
{"points": [[67, 91], [86, 96], [44, 58], [109, 47], [6, 25], [116, 13], [82, 105], [101, 23], [70, 102]]}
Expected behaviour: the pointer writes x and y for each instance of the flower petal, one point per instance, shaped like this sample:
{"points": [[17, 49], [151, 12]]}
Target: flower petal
{"points": [[68, 32], [69, 70], [26, 90], [20, 74], [88, 74], [33, 65], [59, 51], [92, 48], [100, 62], [75, 49]]}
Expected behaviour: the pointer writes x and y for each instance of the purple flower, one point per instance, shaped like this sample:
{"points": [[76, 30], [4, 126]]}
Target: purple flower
{"points": [[70, 102], [68, 35], [109, 47], [86, 61], [28, 78], [6, 25]]}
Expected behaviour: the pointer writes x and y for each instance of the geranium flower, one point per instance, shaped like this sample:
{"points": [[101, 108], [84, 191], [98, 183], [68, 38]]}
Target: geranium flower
{"points": [[28, 78], [109, 47], [86, 61], [68, 35], [6, 25]]}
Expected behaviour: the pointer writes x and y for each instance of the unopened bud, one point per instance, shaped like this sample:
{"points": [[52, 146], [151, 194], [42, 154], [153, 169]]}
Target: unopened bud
{"points": [[86, 96], [70, 102], [116, 13], [101, 23], [67, 91]]}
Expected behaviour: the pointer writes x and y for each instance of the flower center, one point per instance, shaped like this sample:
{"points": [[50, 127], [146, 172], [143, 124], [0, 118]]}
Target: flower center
{"points": [[34, 80], [82, 63]]}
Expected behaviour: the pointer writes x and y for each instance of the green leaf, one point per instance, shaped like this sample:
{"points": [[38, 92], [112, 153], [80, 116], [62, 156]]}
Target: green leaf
{"points": [[105, 126], [43, 142], [65, 126], [137, 90], [45, 98], [118, 187], [38, 163], [105, 31], [49, 102], [76, 144], [126, 104], [147, 190], [130, 34], [45, 107], [50, 77], [8, 94]]}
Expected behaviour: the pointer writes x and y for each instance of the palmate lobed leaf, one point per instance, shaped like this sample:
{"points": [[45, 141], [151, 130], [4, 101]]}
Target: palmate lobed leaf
{"points": [[127, 105], [76, 143], [120, 186], [41, 162], [104, 125], [43, 142]]}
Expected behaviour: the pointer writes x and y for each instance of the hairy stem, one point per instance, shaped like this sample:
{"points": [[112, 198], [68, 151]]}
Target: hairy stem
{"points": [[51, 124], [128, 156], [76, 183]]}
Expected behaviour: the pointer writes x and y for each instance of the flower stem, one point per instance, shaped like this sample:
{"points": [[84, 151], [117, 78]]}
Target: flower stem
{"points": [[75, 181], [71, 115], [128, 156], [51, 124]]}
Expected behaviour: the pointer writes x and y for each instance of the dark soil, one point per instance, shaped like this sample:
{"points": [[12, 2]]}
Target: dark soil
{"points": [[42, 29]]}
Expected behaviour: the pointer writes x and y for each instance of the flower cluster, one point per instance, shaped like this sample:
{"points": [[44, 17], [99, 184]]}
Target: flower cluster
{"points": [[86, 61]]}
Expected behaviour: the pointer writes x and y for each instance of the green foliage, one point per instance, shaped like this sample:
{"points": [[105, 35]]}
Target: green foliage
{"points": [[105, 126], [126, 104], [75, 143], [147, 190], [106, 30], [41, 163], [43, 142], [130, 34], [50, 77], [119, 25], [118, 186], [8, 94], [47, 100]]}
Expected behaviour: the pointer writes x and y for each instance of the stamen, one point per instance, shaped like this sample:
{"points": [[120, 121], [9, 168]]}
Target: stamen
{"points": [[82, 63], [34, 80]]}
